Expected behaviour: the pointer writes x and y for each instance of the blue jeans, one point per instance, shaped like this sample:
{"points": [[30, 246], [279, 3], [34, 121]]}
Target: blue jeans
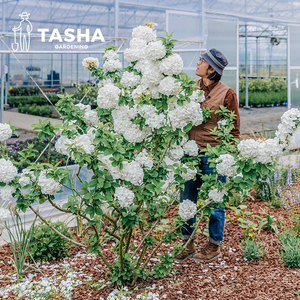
{"points": [[217, 218]]}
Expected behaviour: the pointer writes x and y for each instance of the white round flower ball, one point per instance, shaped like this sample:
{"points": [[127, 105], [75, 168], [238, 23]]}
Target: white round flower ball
{"points": [[7, 171], [187, 209], [171, 65], [190, 148], [6, 192], [190, 174], [4, 214], [144, 33], [108, 96], [111, 55], [5, 132], [169, 87], [112, 65], [217, 196], [156, 50], [124, 196], [90, 63], [48, 185]]}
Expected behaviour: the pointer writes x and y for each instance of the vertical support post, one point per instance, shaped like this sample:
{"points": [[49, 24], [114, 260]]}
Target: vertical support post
{"points": [[7, 81], [61, 72], [237, 60], [257, 57], [246, 66], [51, 71], [2, 66], [116, 22], [77, 69], [109, 23], [2, 87], [288, 48]]}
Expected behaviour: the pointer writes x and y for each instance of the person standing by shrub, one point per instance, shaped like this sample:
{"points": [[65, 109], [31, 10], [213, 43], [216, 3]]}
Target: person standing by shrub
{"points": [[210, 68]]}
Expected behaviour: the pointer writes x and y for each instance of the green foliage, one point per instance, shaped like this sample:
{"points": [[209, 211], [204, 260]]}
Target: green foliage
{"points": [[33, 109], [24, 91], [19, 243], [253, 250], [263, 85], [46, 244], [87, 91], [264, 98], [290, 245], [268, 222], [35, 99], [162, 269]]}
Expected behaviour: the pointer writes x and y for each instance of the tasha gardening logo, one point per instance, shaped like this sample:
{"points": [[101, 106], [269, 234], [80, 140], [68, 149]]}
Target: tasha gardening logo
{"points": [[22, 36]]}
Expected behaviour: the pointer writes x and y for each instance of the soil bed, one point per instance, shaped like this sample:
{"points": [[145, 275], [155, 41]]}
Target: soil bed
{"points": [[229, 277]]}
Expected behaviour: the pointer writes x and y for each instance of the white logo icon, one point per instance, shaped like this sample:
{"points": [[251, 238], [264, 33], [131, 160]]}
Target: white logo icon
{"points": [[22, 34]]}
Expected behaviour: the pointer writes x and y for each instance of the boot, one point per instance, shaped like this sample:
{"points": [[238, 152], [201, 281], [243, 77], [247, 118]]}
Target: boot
{"points": [[188, 252], [209, 252]]}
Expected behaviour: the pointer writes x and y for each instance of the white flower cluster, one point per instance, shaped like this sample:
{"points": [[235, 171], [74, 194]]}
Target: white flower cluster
{"points": [[90, 63], [217, 196], [183, 115], [6, 192], [4, 214], [131, 172], [153, 119], [108, 96], [190, 173], [26, 177], [83, 141], [130, 80], [156, 50], [90, 116], [144, 160], [287, 127], [175, 152], [112, 62], [48, 185], [123, 124], [169, 87], [187, 209], [7, 171], [5, 132], [61, 145], [117, 295], [124, 196], [190, 148], [261, 151], [144, 33], [226, 168], [222, 123], [171, 65], [197, 96]]}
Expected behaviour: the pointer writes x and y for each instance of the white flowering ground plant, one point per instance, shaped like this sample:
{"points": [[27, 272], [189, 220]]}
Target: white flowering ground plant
{"points": [[143, 114]]}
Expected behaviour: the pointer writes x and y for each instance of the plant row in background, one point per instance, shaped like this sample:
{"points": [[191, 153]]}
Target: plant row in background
{"points": [[37, 110], [30, 100], [264, 92]]}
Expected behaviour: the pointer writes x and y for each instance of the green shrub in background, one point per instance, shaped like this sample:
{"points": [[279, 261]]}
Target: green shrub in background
{"points": [[46, 244], [264, 98], [23, 91], [34, 99], [253, 250], [82, 89], [263, 85], [43, 110], [290, 245]]}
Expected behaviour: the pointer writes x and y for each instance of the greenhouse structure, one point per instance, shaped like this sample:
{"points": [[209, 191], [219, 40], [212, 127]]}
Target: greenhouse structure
{"points": [[61, 35]]}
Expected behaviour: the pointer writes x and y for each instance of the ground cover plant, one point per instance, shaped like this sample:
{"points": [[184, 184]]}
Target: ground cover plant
{"points": [[143, 114]]}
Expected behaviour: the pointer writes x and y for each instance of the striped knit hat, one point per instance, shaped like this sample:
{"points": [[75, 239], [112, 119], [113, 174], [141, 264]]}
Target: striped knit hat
{"points": [[216, 59]]}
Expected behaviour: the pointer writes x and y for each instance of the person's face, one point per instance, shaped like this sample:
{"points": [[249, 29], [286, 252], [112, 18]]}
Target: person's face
{"points": [[202, 68]]}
